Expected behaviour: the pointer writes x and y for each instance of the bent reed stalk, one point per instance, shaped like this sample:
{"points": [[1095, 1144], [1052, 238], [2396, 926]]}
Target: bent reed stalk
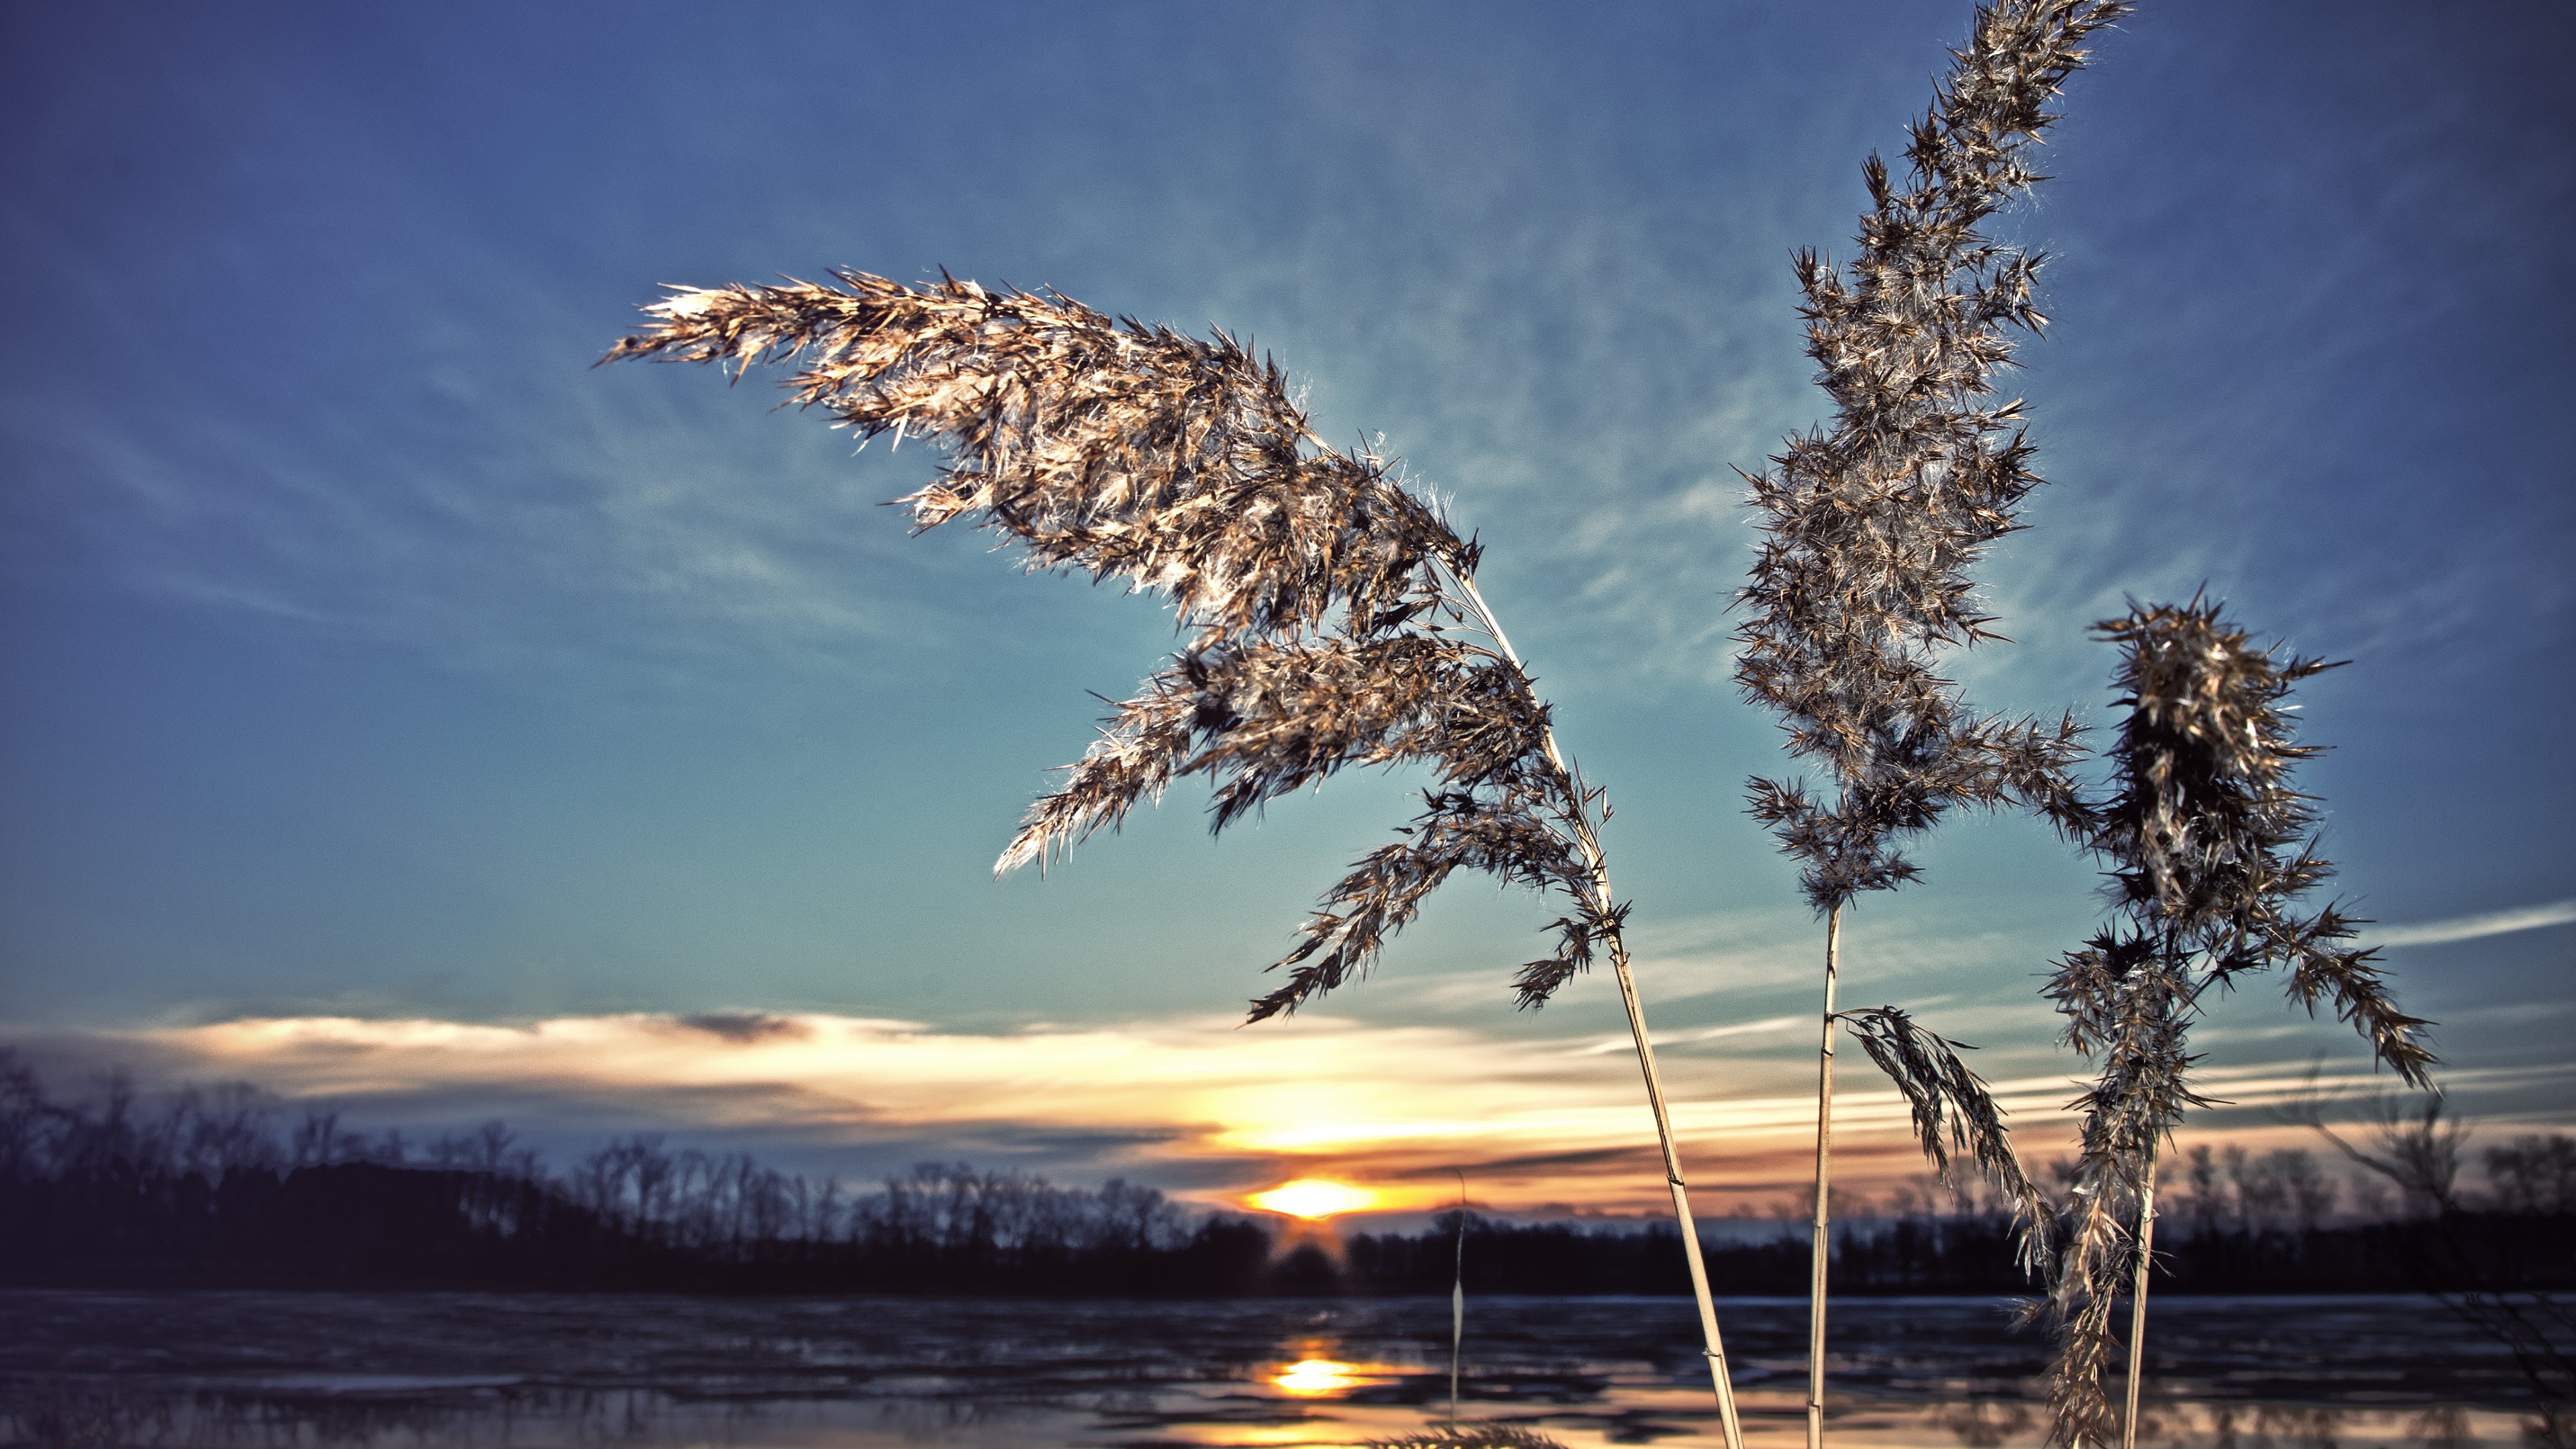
{"points": [[2209, 845], [1588, 841], [1870, 530], [1332, 615]]}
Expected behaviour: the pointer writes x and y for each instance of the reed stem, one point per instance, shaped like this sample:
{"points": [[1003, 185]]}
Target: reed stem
{"points": [[1823, 1240], [1458, 1304], [1579, 824], [1716, 1348], [2138, 1299]]}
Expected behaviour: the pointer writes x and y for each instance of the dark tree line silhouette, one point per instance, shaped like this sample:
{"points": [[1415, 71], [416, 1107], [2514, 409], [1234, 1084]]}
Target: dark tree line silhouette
{"points": [[227, 1187], [221, 1187]]}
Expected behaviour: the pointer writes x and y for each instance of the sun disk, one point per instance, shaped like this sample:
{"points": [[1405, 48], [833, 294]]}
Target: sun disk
{"points": [[1313, 1197]]}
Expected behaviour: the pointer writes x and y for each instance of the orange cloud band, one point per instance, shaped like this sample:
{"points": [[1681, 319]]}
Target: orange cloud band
{"points": [[1555, 1123]]}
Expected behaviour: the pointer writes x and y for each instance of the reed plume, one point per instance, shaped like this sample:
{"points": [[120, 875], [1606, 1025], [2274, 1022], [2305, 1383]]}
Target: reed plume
{"points": [[1472, 1436], [1954, 1115], [1331, 614], [2209, 848], [1870, 529]]}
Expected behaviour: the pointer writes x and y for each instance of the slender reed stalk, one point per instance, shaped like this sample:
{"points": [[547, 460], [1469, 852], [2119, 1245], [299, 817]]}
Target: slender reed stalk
{"points": [[1820, 1241], [1871, 528], [2209, 847], [1458, 1303], [1332, 615], [2138, 1297]]}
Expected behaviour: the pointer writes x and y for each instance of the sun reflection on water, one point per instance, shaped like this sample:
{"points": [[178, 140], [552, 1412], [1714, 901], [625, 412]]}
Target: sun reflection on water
{"points": [[1309, 1378]]}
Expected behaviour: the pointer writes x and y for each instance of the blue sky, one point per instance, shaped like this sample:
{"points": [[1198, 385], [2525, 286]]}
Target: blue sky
{"points": [[364, 655]]}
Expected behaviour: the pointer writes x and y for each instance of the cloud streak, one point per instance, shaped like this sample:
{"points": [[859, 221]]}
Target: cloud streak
{"points": [[1188, 1102], [2471, 928]]}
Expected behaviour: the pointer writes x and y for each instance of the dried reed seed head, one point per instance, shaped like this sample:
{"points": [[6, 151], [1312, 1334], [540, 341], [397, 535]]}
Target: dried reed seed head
{"points": [[1469, 1436], [1954, 1112], [2138, 1098], [2128, 1002], [1332, 621], [1267, 717], [2209, 848], [2209, 843], [1508, 833], [1870, 530], [1120, 449]]}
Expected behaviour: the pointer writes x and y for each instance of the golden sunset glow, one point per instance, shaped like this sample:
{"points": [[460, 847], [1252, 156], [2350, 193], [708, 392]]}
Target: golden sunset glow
{"points": [[1396, 1106], [1314, 1197]]}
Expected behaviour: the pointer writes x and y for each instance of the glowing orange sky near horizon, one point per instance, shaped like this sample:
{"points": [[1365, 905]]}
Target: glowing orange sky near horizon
{"points": [[1537, 1125]]}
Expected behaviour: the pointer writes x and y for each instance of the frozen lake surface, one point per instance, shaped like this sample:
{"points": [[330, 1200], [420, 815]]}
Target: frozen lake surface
{"points": [[258, 1369]]}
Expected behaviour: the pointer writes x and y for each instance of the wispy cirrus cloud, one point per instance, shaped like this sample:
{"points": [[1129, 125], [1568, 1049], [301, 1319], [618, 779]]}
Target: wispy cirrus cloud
{"points": [[2471, 928]]}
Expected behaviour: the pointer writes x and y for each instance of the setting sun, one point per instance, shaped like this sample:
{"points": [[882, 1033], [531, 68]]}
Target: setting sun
{"points": [[1314, 1197]]}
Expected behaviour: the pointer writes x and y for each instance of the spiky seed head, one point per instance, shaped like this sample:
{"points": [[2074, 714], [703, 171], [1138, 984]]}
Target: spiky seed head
{"points": [[1330, 616], [1870, 530], [2209, 848]]}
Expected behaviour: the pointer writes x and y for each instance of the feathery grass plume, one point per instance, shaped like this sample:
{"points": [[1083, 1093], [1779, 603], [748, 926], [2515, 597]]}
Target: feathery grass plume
{"points": [[1470, 1436], [1953, 1113], [1332, 616], [1870, 529], [2209, 847]]}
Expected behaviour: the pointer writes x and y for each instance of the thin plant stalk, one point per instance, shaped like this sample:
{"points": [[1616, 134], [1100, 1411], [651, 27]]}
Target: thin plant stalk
{"points": [[1458, 1303], [1823, 1238], [2138, 1299], [1715, 1347], [1713, 1343]]}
